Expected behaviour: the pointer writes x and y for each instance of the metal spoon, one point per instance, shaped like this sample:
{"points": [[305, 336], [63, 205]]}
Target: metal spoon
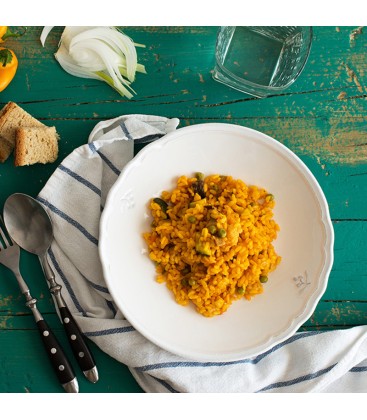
{"points": [[30, 226]]}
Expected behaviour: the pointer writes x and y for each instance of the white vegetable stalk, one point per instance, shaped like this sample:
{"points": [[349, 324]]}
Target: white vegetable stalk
{"points": [[98, 52]]}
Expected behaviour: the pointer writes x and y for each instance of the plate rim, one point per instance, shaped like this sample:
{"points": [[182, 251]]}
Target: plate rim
{"points": [[328, 245]]}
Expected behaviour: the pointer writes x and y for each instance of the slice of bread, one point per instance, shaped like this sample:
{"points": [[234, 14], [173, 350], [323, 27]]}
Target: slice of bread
{"points": [[35, 145], [12, 117], [5, 149]]}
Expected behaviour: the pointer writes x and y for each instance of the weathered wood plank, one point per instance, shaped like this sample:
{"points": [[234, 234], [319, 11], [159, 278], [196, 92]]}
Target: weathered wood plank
{"points": [[338, 314], [24, 367]]}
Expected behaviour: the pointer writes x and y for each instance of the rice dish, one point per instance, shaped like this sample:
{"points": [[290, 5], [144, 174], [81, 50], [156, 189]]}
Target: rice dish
{"points": [[211, 240]]}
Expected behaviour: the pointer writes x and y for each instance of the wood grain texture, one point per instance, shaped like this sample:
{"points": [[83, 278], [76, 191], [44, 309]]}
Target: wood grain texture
{"points": [[322, 118]]}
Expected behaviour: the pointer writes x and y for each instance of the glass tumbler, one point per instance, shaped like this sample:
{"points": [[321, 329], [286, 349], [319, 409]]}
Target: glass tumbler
{"points": [[261, 60]]}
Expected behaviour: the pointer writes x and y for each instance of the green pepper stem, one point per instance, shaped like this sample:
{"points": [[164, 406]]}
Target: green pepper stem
{"points": [[6, 57], [10, 34]]}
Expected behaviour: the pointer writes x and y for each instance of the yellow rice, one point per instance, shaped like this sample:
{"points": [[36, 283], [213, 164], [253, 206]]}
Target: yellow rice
{"points": [[195, 262]]}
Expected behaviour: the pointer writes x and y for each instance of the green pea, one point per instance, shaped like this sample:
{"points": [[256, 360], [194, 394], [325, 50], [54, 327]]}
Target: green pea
{"points": [[200, 176], [191, 219], [263, 279], [240, 290], [212, 229], [184, 282], [192, 282], [222, 233]]}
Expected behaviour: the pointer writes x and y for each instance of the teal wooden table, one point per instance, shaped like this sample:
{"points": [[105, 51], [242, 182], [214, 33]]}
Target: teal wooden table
{"points": [[322, 118]]}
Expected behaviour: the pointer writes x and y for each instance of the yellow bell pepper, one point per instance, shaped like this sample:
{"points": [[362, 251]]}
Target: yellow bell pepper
{"points": [[8, 67], [5, 33]]}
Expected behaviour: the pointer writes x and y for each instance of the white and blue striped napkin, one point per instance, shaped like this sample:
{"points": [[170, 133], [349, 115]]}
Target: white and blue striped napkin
{"points": [[331, 361]]}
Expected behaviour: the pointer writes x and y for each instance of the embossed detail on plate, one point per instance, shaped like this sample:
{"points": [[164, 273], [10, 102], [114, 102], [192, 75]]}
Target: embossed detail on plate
{"points": [[302, 281], [127, 201]]}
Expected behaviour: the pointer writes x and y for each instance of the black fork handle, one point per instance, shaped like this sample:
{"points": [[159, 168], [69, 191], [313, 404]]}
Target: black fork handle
{"points": [[54, 351], [76, 339]]}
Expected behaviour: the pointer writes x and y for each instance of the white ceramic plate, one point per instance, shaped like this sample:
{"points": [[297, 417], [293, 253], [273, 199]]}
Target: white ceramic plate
{"points": [[305, 243]]}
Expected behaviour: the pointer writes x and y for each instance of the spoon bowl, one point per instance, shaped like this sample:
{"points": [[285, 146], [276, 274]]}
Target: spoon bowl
{"points": [[28, 223]]}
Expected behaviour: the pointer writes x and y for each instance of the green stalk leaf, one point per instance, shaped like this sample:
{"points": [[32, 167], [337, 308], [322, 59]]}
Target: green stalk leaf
{"points": [[11, 34], [6, 57]]}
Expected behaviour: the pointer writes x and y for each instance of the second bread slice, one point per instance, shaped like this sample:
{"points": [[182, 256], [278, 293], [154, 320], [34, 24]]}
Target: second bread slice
{"points": [[35, 145], [13, 117]]}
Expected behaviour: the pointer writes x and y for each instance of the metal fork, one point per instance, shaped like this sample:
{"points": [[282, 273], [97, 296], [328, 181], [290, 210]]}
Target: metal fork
{"points": [[10, 257]]}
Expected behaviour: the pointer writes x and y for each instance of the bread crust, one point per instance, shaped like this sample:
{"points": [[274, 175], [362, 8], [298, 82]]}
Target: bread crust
{"points": [[13, 117], [35, 145]]}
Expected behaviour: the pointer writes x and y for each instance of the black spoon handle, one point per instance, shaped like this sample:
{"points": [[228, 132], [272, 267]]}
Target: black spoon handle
{"points": [[60, 364], [78, 344]]}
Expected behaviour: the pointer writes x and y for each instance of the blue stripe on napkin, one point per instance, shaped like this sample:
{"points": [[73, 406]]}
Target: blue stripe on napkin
{"points": [[105, 159], [80, 179], [298, 380], [97, 286], [125, 130], [110, 331], [112, 307], [253, 361], [358, 369], [165, 384], [73, 222]]}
